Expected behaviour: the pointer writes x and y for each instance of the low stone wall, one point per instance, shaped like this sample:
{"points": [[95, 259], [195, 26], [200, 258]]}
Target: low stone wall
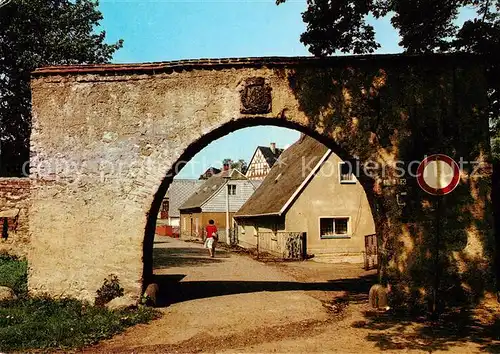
{"points": [[14, 206]]}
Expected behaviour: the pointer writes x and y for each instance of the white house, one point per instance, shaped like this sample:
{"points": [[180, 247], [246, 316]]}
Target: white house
{"points": [[226, 191], [262, 161]]}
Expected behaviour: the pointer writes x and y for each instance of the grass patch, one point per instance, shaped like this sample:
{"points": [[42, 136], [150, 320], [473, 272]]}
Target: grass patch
{"points": [[43, 323], [14, 274]]}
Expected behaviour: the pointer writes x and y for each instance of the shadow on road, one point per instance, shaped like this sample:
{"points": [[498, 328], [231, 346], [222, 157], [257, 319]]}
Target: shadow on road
{"points": [[173, 290], [401, 331], [185, 257], [388, 331]]}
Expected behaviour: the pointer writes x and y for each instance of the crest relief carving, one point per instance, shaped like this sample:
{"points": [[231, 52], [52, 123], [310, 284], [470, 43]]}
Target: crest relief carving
{"points": [[256, 97]]}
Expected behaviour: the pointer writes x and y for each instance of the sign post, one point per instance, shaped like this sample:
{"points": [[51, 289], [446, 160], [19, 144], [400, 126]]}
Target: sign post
{"points": [[438, 175]]}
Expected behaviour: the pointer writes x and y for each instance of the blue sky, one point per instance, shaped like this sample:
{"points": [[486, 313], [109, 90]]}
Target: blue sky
{"points": [[162, 30]]}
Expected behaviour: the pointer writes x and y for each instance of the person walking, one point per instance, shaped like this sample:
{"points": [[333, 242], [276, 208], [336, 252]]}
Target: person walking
{"points": [[212, 237]]}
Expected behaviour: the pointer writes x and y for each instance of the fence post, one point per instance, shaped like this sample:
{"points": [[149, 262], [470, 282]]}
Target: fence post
{"points": [[304, 246], [258, 237]]}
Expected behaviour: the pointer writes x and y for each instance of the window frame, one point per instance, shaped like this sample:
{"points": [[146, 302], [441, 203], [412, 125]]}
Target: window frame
{"points": [[348, 235], [231, 187], [350, 181], [165, 204]]}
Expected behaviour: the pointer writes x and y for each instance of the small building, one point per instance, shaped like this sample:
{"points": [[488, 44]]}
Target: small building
{"points": [[178, 192], [227, 190], [262, 161], [310, 191]]}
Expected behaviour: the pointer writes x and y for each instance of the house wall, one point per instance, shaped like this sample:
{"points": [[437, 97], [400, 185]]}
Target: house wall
{"points": [[218, 218], [14, 201], [249, 228], [174, 221], [191, 224], [247, 235], [203, 218], [217, 204], [325, 196]]}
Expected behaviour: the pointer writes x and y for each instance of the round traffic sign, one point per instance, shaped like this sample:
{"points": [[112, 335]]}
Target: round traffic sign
{"points": [[438, 174]]}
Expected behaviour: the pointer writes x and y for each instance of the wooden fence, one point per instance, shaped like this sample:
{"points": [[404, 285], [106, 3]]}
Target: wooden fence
{"points": [[286, 245], [371, 252]]}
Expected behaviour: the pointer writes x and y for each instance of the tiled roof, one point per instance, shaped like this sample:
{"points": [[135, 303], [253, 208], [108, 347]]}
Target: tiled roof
{"points": [[179, 191], [269, 155], [286, 176], [210, 172]]}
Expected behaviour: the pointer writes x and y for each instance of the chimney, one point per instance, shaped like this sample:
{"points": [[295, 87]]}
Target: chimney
{"points": [[225, 167], [273, 148]]}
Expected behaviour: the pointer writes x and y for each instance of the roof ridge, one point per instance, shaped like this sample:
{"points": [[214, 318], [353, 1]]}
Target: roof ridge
{"points": [[284, 179]]}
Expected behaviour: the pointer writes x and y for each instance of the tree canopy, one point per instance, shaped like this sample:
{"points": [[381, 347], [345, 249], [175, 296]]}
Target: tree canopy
{"points": [[424, 26], [35, 33], [240, 165]]}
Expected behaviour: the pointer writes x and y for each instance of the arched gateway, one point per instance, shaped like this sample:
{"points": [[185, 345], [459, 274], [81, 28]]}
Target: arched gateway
{"points": [[107, 139]]}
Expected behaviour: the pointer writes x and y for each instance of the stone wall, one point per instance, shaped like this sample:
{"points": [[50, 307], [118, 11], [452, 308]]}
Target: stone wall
{"points": [[14, 206], [106, 140]]}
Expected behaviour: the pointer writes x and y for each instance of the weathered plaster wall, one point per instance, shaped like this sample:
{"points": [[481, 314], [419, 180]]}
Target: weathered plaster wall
{"points": [[247, 235], [14, 207], [325, 196], [103, 140], [102, 146]]}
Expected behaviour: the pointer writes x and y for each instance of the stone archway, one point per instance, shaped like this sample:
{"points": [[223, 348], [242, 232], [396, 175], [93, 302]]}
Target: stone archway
{"points": [[214, 135], [104, 136]]}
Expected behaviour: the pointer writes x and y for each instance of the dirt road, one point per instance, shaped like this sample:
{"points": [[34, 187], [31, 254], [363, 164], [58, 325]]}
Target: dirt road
{"points": [[233, 303]]}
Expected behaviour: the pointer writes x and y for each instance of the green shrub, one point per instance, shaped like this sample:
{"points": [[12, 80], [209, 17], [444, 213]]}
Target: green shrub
{"points": [[14, 274], [109, 290], [42, 323]]}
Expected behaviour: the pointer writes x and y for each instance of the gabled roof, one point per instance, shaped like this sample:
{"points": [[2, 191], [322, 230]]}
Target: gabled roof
{"points": [[269, 155], [295, 167], [179, 191], [210, 187]]}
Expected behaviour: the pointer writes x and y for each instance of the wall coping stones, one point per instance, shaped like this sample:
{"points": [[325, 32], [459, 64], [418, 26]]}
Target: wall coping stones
{"points": [[223, 63]]}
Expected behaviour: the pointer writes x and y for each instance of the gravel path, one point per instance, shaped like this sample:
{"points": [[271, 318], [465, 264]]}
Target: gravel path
{"points": [[217, 298], [233, 304]]}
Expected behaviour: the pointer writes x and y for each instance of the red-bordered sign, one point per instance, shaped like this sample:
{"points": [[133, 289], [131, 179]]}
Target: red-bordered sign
{"points": [[438, 174]]}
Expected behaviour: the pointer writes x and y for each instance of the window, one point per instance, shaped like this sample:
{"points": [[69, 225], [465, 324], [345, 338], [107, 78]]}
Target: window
{"points": [[164, 205], [231, 189], [346, 172], [334, 227]]}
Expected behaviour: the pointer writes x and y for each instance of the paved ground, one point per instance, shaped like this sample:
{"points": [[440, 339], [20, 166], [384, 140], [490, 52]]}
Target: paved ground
{"points": [[236, 304]]}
